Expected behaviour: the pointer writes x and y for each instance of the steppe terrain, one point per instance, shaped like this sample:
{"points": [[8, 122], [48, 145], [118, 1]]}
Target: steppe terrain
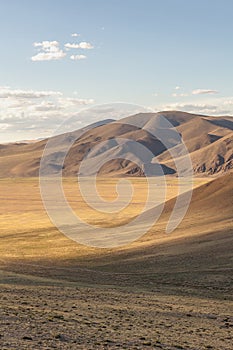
{"points": [[164, 291]]}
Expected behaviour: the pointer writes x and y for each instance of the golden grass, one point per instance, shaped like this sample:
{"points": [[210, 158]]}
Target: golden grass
{"points": [[163, 291], [26, 230]]}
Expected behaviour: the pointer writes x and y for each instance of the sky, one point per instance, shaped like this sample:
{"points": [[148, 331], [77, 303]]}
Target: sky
{"points": [[59, 57]]}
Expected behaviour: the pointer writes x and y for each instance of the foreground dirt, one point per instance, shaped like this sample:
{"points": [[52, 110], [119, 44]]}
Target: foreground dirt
{"points": [[162, 292], [40, 314]]}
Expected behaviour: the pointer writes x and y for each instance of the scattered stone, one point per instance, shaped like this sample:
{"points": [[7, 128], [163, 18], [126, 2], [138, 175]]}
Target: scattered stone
{"points": [[26, 337], [60, 337], [147, 343]]}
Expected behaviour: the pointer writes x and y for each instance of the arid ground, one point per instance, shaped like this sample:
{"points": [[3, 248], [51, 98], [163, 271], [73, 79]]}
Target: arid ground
{"points": [[164, 291]]}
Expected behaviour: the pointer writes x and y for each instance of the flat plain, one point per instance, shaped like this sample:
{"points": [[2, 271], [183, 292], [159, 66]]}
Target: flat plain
{"points": [[163, 291]]}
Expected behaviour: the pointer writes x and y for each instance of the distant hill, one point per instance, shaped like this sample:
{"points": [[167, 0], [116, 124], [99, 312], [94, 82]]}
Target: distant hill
{"points": [[118, 146]]}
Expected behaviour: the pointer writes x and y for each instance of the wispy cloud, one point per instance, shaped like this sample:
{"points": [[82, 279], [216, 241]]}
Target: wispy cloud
{"points": [[7, 92], [39, 112], [74, 102], [210, 106], [178, 93], [75, 35], [175, 94], [45, 106], [82, 45], [49, 56], [78, 57], [4, 126], [204, 92]]}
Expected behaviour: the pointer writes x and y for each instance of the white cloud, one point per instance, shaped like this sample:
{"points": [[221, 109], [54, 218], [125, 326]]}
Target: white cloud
{"points": [[27, 114], [71, 46], [82, 45], [66, 102], [47, 45], [75, 35], [4, 126], [211, 106], [78, 57], [85, 45], [48, 56], [45, 106], [204, 92], [228, 102], [179, 95], [200, 108], [194, 92], [49, 50], [6, 92]]}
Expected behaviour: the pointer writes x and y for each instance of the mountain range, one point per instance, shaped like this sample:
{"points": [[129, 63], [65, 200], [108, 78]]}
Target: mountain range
{"points": [[133, 146]]}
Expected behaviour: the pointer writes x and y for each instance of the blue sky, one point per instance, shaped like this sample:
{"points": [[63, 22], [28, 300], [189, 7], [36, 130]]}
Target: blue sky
{"points": [[168, 54]]}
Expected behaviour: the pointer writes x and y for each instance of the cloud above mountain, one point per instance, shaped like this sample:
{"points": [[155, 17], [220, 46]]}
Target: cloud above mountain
{"points": [[210, 106], [41, 112], [7, 92], [204, 92]]}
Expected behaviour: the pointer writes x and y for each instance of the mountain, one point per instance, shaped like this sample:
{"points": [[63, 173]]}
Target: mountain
{"points": [[23, 159], [209, 142], [144, 143]]}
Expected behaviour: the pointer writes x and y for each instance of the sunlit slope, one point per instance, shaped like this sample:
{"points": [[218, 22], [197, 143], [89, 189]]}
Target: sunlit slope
{"points": [[27, 233]]}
